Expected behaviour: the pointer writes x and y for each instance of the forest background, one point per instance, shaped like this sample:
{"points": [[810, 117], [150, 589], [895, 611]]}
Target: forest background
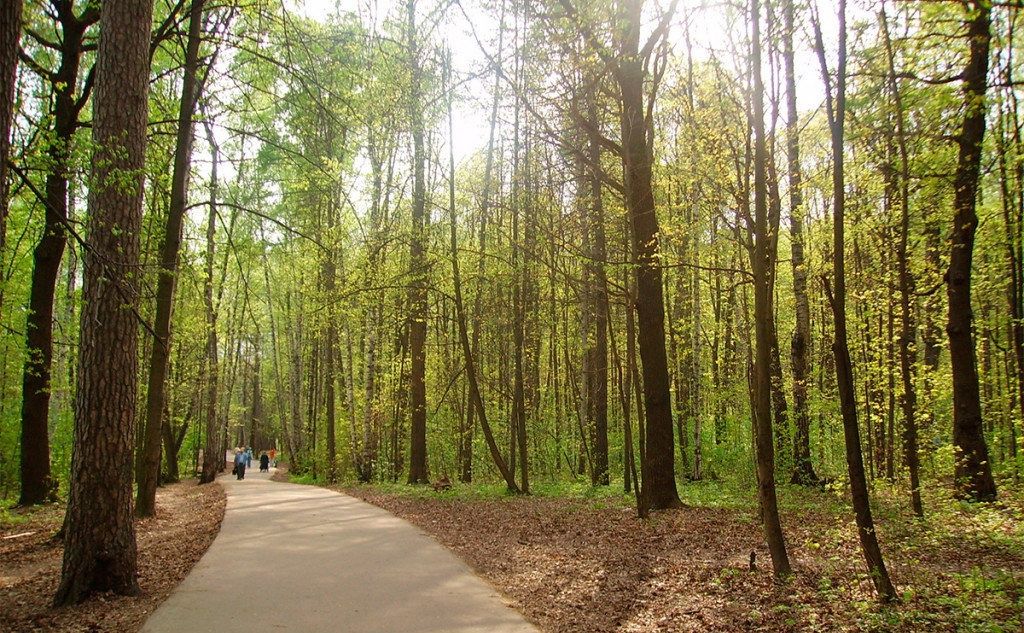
{"points": [[728, 246]]}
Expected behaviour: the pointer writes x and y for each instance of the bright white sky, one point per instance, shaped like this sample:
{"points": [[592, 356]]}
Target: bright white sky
{"points": [[713, 31]]}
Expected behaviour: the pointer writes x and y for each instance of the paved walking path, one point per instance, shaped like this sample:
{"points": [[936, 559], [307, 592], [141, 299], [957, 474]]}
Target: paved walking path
{"points": [[301, 558]]}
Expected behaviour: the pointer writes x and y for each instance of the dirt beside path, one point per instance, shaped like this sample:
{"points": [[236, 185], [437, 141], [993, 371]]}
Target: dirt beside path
{"points": [[587, 566], [188, 518]]}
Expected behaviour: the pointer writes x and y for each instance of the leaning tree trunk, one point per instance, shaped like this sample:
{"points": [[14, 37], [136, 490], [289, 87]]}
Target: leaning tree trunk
{"points": [[840, 346], [148, 473], [99, 536], [973, 471]]}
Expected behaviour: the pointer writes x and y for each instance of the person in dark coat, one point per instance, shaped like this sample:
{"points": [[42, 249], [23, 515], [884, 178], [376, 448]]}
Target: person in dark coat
{"points": [[240, 465], [264, 463]]}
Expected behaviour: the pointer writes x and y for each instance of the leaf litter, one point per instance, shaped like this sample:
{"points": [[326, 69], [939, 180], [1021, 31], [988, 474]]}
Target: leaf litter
{"points": [[187, 520]]}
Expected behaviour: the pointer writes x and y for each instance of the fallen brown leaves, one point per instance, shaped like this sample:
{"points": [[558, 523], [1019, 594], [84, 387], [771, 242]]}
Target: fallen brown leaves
{"points": [[188, 518], [573, 566]]}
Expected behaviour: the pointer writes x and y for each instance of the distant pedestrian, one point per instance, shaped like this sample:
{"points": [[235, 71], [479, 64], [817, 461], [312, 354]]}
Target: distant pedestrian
{"points": [[248, 457], [264, 463], [240, 465]]}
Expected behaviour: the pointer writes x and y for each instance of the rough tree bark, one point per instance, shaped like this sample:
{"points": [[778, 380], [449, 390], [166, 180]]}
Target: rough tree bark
{"points": [[659, 480], [99, 535]]}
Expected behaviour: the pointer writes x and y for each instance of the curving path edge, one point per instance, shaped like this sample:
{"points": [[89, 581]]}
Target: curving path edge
{"points": [[300, 558]]}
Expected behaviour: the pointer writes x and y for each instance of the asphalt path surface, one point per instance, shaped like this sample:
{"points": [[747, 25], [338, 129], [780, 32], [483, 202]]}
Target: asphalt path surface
{"points": [[300, 558]]}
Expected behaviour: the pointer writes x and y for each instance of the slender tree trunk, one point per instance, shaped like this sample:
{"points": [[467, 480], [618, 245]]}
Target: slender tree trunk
{"points": [[99, 536], [597, 347], [840, 348], [418, 473], [908, 352], [800, 347], [212, 449], [1013, 214], [148, 472], [471, 376], [763, 262], [642, 505], [973, 471], [329, 357]]}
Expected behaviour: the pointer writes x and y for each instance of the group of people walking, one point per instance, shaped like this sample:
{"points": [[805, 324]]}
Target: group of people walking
{"points": [[243, 460]]}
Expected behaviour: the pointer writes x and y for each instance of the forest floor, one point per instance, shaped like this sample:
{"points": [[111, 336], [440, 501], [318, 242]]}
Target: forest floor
{"points": [[576, 559], [188, 518]]}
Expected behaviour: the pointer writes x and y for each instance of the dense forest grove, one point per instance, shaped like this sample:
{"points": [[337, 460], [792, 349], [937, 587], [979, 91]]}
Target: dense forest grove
{"points": [[774, 246]]}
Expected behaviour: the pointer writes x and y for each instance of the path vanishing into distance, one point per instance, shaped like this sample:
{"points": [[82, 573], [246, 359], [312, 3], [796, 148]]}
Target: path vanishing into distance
{"points": [[300, 558]]}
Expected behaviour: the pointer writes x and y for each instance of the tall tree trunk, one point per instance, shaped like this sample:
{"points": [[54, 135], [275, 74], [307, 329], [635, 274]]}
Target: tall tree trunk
{"points": [[213, 450], [763, 262], [35, 402], [10, 36], [800, 347], [470, 365], [148, 472], [908, 328], [844, 370], [660, 481], [280, 391], [329, 357], [418, 473], [518, 418], [1013, 217], [99, 536], [597, 346], [973, 471]]}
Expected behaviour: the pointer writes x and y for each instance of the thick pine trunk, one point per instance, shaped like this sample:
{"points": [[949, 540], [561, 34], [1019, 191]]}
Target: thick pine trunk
{"points": [[99, 535]]}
